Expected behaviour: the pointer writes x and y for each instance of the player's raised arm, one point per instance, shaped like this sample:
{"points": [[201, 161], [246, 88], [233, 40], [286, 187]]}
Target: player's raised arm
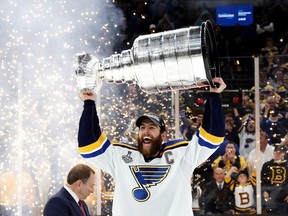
{"points": [[213, 116], [89, 129], [212, 131]]}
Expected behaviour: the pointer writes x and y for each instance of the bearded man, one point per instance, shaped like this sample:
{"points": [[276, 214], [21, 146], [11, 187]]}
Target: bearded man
{"points": [[152, 177]]}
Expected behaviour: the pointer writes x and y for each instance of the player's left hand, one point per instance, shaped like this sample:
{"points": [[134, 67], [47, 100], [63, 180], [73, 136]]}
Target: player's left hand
{"points": [[222, 85]]}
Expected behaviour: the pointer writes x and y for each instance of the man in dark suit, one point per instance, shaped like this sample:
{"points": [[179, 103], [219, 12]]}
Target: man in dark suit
{"points": [[216, 196], [68, 201]]}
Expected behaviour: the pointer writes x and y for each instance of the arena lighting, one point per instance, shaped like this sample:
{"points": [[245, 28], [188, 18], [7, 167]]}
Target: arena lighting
{"points": [[228, 101], [236, 100], [230, 98], [200, 101]]}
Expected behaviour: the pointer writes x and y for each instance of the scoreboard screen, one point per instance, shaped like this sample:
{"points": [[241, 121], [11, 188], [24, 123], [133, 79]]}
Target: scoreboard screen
{"points": [[231, 15]]}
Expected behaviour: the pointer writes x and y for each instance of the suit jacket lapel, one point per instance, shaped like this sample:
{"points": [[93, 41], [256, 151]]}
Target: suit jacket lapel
{"points": [[74, 205]]}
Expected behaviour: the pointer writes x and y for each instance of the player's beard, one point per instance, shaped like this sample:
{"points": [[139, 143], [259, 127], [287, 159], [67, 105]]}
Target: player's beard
{"points": [[155, 146]]}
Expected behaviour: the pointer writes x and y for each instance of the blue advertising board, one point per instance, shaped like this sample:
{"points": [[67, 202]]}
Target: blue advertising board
{"points": [[231, 15]]}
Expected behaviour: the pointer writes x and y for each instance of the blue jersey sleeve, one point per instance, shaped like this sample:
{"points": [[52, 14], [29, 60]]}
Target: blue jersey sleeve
{"points": [[89, 129]]}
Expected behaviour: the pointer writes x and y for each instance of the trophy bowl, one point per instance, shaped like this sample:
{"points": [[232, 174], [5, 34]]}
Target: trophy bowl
{"points": [[86, 70]]}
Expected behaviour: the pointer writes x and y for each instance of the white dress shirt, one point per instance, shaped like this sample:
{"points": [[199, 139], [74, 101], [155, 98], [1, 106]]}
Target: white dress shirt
{"points": [[265, 156]]}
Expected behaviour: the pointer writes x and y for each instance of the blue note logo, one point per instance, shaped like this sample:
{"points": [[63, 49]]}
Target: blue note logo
{"points": [[147, 176]]}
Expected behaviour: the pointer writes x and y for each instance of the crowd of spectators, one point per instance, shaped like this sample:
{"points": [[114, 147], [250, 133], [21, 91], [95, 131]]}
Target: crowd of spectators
{"points": [[146, 16], [237, 45]]}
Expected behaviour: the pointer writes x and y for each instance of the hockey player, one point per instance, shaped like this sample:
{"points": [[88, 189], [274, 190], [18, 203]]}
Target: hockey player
{"points": [[152, 177]]}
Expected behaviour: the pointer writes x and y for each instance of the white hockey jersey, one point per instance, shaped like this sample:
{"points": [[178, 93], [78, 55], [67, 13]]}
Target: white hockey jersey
{"points": [[160, 187]]}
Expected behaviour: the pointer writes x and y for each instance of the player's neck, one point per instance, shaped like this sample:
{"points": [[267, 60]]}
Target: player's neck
{"points": [[149, 158]]}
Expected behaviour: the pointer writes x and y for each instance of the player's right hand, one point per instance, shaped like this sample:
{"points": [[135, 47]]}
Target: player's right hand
{"points": [[87, 95]]}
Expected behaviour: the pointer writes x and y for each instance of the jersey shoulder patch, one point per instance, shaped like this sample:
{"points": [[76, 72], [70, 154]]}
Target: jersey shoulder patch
{"points": [[125, 145], [174, 144]]}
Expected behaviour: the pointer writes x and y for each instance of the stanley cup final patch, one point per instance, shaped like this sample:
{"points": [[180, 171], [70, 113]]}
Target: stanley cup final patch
{"points": [[127, 158]]}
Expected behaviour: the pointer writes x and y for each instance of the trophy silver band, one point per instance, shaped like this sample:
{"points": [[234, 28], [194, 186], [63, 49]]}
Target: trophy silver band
{"points": [[172, 60]]}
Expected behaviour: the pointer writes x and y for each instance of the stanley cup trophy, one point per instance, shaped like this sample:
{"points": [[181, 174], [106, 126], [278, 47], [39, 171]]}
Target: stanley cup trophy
{"points": [[172, 60]]}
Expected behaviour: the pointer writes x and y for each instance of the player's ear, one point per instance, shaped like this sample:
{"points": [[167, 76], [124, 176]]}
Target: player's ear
{"points": [[164, 134]]}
